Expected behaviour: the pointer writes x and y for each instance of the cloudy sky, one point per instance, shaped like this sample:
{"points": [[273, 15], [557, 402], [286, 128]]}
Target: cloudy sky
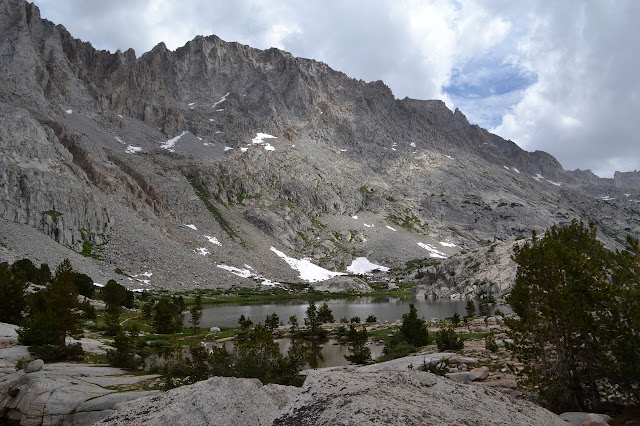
{"points": [[559, 76]]}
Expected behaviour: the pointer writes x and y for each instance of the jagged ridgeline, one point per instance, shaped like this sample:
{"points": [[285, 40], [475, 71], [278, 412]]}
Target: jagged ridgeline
{"points": [[218, 164]]}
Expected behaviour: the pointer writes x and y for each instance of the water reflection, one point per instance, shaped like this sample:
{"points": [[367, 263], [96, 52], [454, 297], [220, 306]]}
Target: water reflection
{"points": [[320, 352], [385, 309]]}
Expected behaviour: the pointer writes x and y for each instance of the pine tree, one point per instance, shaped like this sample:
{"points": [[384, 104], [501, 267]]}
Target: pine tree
{"points": [[311, 320], [62, 296], [293, 323], [325, 315], [414, 328], [570, 319], [196, 313], [272, 322], [357, 340], [470, 308], [12, 295]]}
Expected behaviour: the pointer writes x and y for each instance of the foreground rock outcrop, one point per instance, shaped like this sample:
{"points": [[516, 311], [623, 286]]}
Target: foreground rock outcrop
{"points": [[347, 397]]}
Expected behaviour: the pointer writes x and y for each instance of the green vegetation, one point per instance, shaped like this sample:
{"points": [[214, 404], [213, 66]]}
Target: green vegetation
{"points": [[90, 249], [53, 214], [53, 314], [447, 339], [408, 222], [412, 335], [257, 355], [577, 318], [470, 308], [357, 341], [217, 214]]}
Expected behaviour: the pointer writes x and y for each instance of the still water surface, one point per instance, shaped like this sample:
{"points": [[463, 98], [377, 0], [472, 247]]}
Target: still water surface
{"points": [[385, 309]]}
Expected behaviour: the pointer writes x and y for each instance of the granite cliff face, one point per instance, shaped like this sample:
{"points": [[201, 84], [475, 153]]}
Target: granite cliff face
{"points": [[113, 155]]}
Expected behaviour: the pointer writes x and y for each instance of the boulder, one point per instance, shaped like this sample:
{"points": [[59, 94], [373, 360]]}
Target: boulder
{"points": [[459, 377], [593, 419], [33, 366], [219, 400], [214, 329], [479, 373], [579, 418], [404, 398]]}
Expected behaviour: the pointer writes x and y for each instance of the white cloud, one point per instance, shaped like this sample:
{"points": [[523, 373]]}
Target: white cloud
{"points": [[582, 107]]}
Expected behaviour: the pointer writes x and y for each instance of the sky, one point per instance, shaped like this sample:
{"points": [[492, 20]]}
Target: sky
{"points": [[557, 76]]}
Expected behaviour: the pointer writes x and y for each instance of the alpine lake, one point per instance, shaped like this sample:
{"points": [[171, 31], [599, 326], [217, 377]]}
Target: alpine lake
{"points": [[328, 352]]}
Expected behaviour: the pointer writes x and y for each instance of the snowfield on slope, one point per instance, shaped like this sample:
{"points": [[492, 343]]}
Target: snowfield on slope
{"points": [[168, 145], [248, 273], [433, 252], [308, 271], [362, 265]]}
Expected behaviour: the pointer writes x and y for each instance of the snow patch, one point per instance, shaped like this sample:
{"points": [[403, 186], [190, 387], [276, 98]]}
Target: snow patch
{"points": [[369, 226], [515, 170], [554, 183], [412, 144], [244, 149], [69, 111], [120, 116], [222, 99], [227, 148], [192, 226], [607, 198], [362, 265], [119, 140], [269, 147], [220, 110], [213, 240], [246, 273], [307, 270], [132, 149], [260, 137], [394, 230], [343, 150], [171, 142], [202, 250], [144, 274], [191, 104], [449, 157], [355, 217], [446, 244], [538, 176], [433, 252], [506, 167]]}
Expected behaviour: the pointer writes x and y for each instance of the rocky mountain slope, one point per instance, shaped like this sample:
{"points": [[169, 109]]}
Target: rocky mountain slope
{"points": [[218, 164]]}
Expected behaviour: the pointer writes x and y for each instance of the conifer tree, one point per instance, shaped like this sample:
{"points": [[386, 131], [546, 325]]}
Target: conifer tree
{"points": [[414, 328], [571, 317]]}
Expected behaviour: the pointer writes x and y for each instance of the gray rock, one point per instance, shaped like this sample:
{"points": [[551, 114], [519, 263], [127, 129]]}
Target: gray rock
{"points": [[404, 398], [219, 400], [479, 373], [33, 366], [108, 402], [214, 329], [459, 377], [595, 420]]}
